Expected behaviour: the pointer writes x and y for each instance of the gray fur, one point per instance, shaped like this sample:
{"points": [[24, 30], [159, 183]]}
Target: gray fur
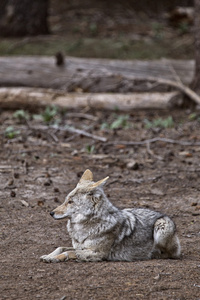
{"points": [[100, 231]]}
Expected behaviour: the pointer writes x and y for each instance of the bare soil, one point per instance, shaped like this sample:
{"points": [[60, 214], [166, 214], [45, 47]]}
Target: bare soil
{"points": [[39, 167]]}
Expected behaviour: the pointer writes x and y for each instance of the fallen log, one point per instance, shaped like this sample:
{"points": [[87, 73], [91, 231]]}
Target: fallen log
{"points": [[92, 75], [32, 98]]}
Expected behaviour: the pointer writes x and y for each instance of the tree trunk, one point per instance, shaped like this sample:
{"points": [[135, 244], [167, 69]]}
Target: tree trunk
{"points": [[24, 17], [196, 81]]}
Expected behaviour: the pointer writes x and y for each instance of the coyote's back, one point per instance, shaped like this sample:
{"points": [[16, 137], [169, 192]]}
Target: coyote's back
{"points": [[100, 231]]}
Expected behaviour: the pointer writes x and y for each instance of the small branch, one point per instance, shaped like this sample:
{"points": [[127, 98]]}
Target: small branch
{"points": [[185, 89], [83, 132], [53, 136], [71, 138], [151, 153], [175, 74], [82, 116], [71, 130], [157, 139]]}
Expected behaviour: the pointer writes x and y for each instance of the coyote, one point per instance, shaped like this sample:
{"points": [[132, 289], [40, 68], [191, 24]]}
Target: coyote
{"points": [[100, 231]]}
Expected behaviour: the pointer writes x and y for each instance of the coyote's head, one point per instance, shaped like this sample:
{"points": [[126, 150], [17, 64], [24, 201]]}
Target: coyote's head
{"points": [[83, 201]]}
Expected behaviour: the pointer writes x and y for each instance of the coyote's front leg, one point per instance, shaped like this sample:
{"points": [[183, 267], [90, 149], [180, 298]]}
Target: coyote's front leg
{"points": [[59, 255]]}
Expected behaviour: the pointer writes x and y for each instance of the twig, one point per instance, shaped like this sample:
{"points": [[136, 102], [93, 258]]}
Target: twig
{"points": [[24, 151], [53, 136], [175, 74], [70, 129], [150, 152], [157, 139], [82, 116], [63, 298], [7, 167], [185, 89], [71, 138], [85, 133], [25, 165]]}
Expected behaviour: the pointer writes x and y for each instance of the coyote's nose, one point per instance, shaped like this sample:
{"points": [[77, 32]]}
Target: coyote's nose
{"points": [[52, 213]]}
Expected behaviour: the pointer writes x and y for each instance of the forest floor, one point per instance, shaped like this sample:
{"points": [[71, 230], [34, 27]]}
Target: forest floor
{"points": [[38, 167]]}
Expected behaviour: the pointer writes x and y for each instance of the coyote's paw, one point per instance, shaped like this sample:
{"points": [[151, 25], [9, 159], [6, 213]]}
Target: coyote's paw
{"points": [[46, 259], [54, 259]]}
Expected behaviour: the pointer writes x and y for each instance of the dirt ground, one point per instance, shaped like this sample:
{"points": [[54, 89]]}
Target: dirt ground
{"points": [[39, 167]]}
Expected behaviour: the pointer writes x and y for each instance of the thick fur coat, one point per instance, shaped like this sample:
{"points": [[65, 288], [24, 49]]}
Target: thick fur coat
{"points": [[100, 231]]}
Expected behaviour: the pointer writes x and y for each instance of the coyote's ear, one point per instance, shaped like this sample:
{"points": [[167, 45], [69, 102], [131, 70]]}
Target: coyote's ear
{"points": [[87, 176], [98, 183]]}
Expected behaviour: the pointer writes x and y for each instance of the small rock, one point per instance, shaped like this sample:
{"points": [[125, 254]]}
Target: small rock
{"points": [[195, 214], [56, 190], [12, 194], [157, 192], [56, 200], [16, 175], [40, 203], [24, 203], [10, 182], [185, 154], [132, 165], [157, 277], [74, 153], [48, 182]]}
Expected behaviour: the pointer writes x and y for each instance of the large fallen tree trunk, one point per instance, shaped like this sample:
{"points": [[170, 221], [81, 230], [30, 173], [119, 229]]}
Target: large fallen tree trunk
{"points": [[92, 75], [32, 98], [146, 79]]}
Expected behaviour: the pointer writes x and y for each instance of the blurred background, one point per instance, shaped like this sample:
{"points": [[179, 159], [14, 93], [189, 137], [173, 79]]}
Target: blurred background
{"points": [[128, 29]]}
